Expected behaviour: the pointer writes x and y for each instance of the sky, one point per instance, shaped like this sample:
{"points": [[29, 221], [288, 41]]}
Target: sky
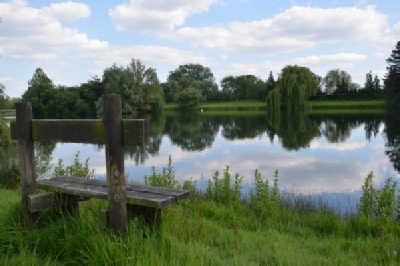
{"points": [[73, 41]]}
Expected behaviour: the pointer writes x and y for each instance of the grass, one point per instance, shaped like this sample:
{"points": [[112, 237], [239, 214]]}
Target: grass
{"points": [[224, 106], [316, 106], [372, 104], [346, 111], [221, 229], [7, 111]]}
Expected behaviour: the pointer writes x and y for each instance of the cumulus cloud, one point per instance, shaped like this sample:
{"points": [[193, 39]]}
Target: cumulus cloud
{"points": [[294, 29], [67, 11], [32, 34], [159, 15], [339, 59]]}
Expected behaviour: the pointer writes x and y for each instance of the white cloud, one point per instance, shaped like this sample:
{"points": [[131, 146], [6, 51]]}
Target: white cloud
{"points": [[341, 60], [67, 11], [159, 15], [294, 29], [31, 34]]}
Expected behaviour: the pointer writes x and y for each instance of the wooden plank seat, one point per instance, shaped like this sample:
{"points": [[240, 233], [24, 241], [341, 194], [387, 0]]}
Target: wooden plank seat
{"points": [[148, 196]]}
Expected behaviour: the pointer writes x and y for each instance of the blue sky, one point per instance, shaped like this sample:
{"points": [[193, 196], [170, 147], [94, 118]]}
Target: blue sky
{"points": [[73, 41]]}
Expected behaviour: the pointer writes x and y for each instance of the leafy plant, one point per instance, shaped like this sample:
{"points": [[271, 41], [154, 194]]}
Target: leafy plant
{"points": [[222, 190], [76, 169], [378, 203], [164, 179], [262, 197]]}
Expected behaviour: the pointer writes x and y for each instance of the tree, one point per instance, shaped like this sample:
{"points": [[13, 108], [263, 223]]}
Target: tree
{"points": [[270, 82], [377, 83], [194, 76], [40, 92], [392, 79], [137, 85], [369, 83], [294, 86], [338, 81], [188, 98], [2, 96], [244, 87]]}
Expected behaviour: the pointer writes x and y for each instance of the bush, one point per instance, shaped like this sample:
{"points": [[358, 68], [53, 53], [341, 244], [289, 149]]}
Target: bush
{"points": [[76, 169], [378, 203], [222, 190], [165, 179]]}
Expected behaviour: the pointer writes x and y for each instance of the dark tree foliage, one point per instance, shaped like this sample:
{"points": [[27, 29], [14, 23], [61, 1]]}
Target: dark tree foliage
{"points": [[392, 80], [194, 76], [270, 82], [294, 87], [40, 93], [369, 83], [392, 132], [244, 87]]}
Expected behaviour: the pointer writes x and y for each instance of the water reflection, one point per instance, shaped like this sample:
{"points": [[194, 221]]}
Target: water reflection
{"points": [[313, 153], [392, 133], [295, 129]]}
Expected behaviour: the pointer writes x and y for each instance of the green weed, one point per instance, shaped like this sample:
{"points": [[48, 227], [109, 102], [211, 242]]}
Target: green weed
{"points": [[76, 169]]}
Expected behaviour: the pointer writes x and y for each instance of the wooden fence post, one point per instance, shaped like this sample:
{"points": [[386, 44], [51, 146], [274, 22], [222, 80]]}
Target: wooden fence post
{"points": [[26, 160], [115, 163]]}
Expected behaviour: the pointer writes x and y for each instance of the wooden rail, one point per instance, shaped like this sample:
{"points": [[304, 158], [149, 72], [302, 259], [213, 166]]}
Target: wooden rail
{"points": [[124, 201]]}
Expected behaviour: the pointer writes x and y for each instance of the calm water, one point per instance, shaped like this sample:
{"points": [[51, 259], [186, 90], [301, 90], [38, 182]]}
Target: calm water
{"points": [[312, 153], [329, 154]]}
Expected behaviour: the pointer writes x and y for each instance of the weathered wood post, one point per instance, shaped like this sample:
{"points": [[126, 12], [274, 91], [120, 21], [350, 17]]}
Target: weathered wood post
{"points": [[115, 163], [26, 160]]}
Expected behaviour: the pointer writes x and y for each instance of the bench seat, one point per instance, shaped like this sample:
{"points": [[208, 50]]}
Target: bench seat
{"points": [[141, 195]]}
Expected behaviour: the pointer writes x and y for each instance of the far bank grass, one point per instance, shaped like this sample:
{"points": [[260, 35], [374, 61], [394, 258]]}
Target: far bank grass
{"points": [[261, 106]]}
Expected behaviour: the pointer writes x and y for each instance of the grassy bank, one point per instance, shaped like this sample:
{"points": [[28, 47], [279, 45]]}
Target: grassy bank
{"points": [[372, 104], [261, 106], [215, 228], [224, 106]]}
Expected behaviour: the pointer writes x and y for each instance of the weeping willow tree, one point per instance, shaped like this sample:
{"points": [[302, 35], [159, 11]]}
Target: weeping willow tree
{"points": [[293, 88]]}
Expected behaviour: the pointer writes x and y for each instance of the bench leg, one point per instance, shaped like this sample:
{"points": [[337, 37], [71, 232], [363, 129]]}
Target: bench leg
{"points": [[151, 216], [69, 204]]}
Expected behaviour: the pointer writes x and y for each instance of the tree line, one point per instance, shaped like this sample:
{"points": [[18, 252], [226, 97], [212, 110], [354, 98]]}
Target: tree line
{"points": [[190, 84]]}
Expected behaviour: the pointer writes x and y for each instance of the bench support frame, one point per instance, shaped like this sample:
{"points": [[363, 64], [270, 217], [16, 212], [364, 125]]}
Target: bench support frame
{"points": [[109, 131]]}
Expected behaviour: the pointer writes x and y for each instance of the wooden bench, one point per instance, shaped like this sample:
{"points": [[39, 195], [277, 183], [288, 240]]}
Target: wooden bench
{"points": [[125, 202]]}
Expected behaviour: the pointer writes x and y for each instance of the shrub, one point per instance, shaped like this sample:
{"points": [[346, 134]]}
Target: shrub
{"points": [[165, 179], [222, 190], [378, 203], [76, 169]]}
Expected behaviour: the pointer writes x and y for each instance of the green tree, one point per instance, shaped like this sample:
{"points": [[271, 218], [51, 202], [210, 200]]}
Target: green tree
{"points": [[337, 80], [377, 83], [138, 86], [40, 92], [3, 99], [244, 87], [194, 76], [270, 82], [369, 82], [189, 98], [295, 85], [392, 79]]}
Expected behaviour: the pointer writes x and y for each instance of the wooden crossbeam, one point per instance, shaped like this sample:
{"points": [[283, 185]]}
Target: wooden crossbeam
{"points": [[135, 131]]}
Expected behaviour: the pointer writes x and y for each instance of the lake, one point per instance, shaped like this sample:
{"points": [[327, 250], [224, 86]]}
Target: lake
{"points": [[326, 155]]}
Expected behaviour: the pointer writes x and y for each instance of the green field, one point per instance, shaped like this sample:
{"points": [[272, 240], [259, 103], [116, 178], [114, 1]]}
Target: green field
{"points": [[261, 106], [224, 106], [373, 104]]}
